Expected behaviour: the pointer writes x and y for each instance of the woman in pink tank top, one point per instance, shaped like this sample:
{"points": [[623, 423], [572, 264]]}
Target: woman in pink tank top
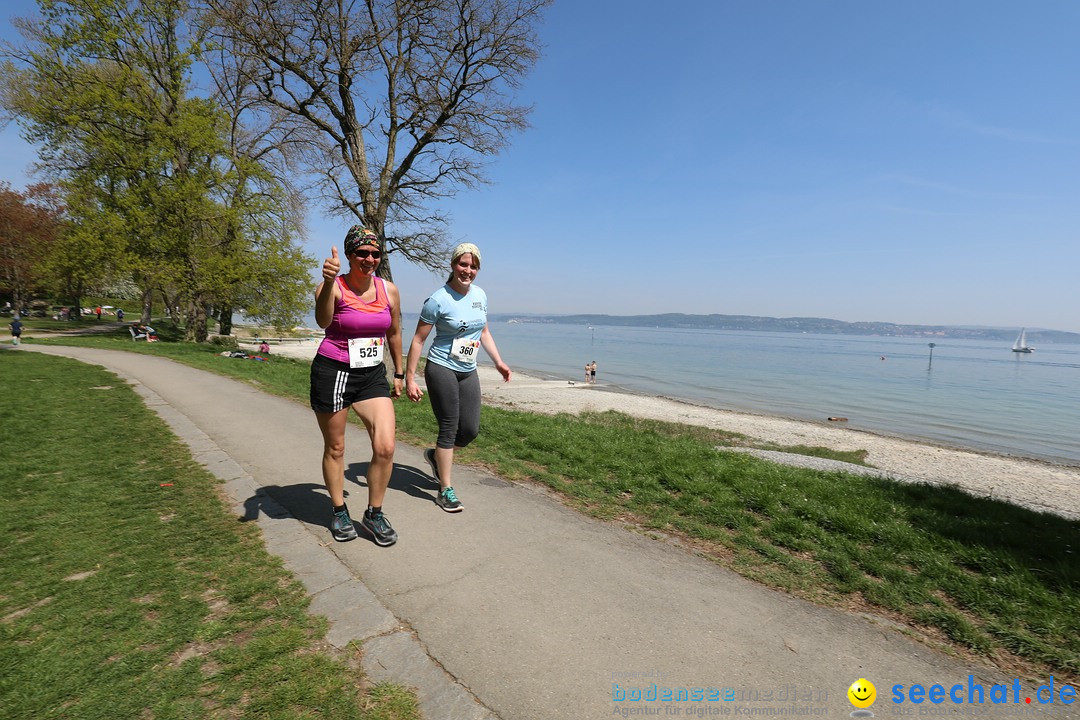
{"points": [[361, 315]]}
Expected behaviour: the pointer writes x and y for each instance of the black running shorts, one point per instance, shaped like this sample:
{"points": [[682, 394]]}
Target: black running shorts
{"points": [[335, 386]]}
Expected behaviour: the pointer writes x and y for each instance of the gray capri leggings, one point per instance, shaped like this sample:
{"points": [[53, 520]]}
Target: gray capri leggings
{"points": [[455, 399]]}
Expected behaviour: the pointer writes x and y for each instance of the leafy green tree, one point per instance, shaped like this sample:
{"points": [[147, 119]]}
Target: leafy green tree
{"points": [[104, 87], [83, 258], [105, 93]]}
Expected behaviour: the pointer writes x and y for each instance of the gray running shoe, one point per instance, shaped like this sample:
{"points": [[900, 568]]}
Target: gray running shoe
{"points": [[341, 527], [429, 455], [378, 527], [448, 501]]}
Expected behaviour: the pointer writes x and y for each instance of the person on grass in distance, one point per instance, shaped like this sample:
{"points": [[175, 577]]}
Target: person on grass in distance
{"points": [[361, 315], [458, 312]]}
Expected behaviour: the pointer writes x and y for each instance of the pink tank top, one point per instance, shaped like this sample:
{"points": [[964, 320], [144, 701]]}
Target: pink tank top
{"points": [[354, 318]]}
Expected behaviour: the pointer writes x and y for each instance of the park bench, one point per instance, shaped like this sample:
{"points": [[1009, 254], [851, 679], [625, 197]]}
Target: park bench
{"points": [[136, 336]]}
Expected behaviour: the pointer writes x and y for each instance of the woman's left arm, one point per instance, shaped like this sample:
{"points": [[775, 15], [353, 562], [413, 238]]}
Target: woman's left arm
{"points": [[393, 334], [493, 352]]}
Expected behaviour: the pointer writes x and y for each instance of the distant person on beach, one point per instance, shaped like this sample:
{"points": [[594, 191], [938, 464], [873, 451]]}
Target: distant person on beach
{"points": [[588, 367], [592, 372], [361, 314], [16, 331], [458, 312]]}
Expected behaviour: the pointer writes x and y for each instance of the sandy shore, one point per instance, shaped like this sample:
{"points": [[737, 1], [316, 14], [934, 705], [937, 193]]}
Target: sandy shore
{"points": [[1031, 483]]}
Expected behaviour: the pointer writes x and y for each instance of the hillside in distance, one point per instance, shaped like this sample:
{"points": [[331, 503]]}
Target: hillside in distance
{"points": [[823, 326]]}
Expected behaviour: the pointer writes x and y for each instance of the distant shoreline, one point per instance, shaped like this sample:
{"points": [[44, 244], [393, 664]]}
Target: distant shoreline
{"points": [[814, 326], [817, 326]]}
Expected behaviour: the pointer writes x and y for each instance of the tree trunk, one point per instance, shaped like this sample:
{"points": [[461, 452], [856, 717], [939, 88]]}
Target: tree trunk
{"points": [[172, 309], [76, 291], [225, 320], [147, 305], [196, 320], [383, 270]]}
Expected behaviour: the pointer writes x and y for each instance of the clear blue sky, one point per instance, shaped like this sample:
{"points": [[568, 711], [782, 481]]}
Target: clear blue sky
{"points": [[914, 162]]}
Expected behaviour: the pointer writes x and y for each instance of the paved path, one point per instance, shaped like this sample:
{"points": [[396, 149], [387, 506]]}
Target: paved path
{"points": [[518, 608]]}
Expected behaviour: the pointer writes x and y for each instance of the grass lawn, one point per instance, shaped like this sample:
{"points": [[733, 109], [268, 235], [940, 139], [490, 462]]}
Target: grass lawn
{"points": [[981, 576], [128, 589]]}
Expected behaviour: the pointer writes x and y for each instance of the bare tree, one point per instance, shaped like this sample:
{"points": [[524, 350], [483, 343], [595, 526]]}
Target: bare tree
{"points": [[397, 104]]}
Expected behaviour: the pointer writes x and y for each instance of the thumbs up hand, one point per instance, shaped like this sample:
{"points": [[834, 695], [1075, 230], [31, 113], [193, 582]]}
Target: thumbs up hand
{"points": [[332, 265]]}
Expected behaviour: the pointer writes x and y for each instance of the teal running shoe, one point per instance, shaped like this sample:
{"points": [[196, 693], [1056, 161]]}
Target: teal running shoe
{"points": [[448, 500]]}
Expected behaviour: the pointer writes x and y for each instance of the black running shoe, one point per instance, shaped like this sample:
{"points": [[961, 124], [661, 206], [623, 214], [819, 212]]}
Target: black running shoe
{"points": [[429, 455], [341, 527], [378, 527]]}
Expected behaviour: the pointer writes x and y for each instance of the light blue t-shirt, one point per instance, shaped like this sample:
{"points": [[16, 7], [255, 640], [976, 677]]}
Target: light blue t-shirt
{"points": [[455, 317]]}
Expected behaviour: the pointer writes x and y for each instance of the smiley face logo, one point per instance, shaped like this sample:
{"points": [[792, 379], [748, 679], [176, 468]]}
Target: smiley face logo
{"points": [[862, 693]]}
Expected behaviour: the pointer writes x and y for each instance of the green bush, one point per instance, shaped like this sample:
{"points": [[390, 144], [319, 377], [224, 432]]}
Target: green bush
{"points": [[227, 342]]}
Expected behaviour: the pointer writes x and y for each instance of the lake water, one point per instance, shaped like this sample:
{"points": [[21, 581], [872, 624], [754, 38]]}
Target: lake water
{"points": [[973, 394]]}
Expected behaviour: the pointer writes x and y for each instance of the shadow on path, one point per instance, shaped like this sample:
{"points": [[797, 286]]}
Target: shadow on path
{"points": [[308, 503]]}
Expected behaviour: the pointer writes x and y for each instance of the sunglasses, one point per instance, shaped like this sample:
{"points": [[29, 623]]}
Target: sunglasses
{"points": [[363, 254]]}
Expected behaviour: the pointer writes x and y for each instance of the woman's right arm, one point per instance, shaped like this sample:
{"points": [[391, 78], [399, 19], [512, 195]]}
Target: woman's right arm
{"points": [[326, 293]]}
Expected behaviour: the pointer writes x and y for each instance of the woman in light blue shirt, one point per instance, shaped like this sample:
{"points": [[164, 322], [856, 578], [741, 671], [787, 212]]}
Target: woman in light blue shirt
{"points": [[458, 312]]}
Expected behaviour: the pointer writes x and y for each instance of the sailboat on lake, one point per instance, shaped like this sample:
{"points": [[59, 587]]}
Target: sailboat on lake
{"points": [[1021, 345]]}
